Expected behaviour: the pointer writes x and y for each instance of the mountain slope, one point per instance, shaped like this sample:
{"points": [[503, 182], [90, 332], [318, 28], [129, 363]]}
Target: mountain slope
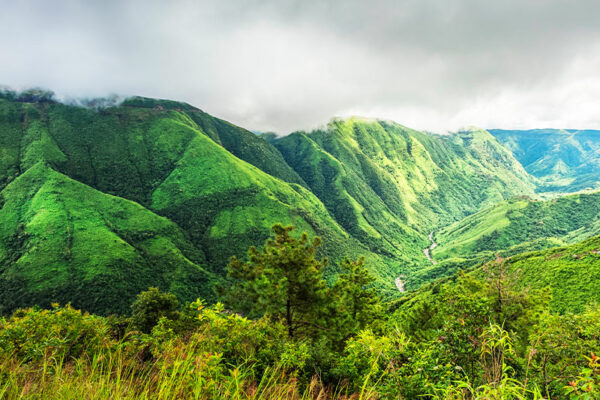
{"points": [[158, 156], [389, 185], [572, 272], [521, 222], [564, 160], [61, 240]]}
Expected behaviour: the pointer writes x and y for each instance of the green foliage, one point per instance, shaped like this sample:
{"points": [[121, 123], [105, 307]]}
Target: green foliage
{"points": [[572, 272], [152, 305], [587, 384], [558, 346], [358, 304], [62, 353], [284, 281], [62, 333]]}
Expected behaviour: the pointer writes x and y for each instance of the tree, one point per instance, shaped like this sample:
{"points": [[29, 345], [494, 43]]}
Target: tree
{"points": [[357, 301], [150, 306], [283, 280]]}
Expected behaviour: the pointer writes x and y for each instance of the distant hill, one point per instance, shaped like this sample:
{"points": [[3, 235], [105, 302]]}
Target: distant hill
{"points": [[510, 227], [564, 161]]}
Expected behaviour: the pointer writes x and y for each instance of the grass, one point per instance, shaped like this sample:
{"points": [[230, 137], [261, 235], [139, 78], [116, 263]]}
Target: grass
{"points": [[115, 376]]}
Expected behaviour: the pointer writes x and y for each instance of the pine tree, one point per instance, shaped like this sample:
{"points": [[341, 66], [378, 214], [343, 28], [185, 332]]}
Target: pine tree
{"points": [[357, 301], [283, 280]]}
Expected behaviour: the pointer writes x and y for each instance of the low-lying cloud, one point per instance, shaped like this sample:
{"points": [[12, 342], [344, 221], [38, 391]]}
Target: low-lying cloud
{"points": [[286, 65]]}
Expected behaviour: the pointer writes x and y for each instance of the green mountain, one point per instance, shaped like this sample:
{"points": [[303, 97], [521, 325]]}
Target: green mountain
{"points": [[157, 192], [518, 225], [171, 160], [388, 185], [564, 161], [63, 241], [571, 272]]}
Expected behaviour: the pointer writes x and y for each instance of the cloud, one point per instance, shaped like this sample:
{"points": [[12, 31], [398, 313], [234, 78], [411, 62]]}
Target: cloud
{"points": [[287, 65]]}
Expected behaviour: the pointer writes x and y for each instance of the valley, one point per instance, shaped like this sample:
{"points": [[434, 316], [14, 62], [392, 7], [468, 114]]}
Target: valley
{"points": [[429, 249]]}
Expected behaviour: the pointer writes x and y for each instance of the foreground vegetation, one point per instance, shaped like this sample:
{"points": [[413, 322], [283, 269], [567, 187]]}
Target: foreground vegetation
{"points": [[283, 333]]}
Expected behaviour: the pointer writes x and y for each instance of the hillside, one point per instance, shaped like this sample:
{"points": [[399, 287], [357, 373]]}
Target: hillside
{"points": [[368, 188], [389, 185], [63, 241], [520, 224], [564, 161], [571, 272]]}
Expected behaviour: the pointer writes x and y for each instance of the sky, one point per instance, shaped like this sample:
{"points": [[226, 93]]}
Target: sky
{"points": [[286, 65]]}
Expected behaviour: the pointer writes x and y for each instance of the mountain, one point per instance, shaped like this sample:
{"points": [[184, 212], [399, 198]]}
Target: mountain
{"points": [[564, 161], [521, 222], [169, 160], [571, 272], [389, 185], [99, 203]]}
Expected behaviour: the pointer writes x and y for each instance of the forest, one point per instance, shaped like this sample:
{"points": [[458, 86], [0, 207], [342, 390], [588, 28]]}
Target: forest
{"points": [[283, 333]]}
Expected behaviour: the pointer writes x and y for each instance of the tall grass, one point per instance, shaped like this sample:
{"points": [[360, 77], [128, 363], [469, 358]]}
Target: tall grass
{"points": [[179, 373]]}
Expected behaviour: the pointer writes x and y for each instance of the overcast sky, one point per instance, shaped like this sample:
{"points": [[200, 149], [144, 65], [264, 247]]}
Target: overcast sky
{"points": [[287, 65]]}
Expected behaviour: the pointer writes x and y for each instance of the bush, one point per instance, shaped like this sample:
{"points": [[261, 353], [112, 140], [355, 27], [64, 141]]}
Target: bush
{"points": [[152, 305]]}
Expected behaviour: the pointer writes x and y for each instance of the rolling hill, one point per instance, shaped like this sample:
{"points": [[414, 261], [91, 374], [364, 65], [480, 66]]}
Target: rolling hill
{"points": [[564, 161]]}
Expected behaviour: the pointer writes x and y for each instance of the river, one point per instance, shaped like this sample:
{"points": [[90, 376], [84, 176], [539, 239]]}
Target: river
{"points": [[400, 283]]}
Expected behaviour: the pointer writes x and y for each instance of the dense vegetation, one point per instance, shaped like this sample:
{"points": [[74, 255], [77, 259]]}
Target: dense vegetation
{"points": [[99, 201], [389, 185], [132, 211], [473, 336], [563, 160], [520, 224]]}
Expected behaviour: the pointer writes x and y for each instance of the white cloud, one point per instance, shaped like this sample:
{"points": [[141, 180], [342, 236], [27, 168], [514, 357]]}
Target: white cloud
{"points": [[286, 65]]}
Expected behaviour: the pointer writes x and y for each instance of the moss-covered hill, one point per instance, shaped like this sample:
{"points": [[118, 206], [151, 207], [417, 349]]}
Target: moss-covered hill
{"points": [[99, 203], [388, 185], [565, 161], [520, 224]]}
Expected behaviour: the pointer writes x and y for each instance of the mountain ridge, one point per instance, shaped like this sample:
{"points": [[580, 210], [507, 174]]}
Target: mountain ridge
{"points": [[368, 187]]}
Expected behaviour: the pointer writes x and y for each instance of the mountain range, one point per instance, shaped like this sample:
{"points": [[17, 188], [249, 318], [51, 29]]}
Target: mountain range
{"points": [[97, 204]]}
